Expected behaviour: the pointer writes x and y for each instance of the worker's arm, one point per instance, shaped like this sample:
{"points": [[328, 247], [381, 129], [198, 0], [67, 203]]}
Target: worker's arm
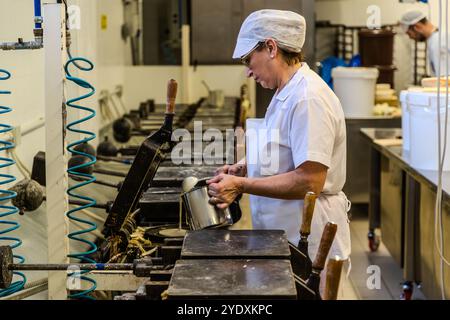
{"points": [[309, 176]]}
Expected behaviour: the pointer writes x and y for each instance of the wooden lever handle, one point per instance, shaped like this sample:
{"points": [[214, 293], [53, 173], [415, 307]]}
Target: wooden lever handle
{"points": [[333, 277], [308, 210], [172, 87], [325, 244]]}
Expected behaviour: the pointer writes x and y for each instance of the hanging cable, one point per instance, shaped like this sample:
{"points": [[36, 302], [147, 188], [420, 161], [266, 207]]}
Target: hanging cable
{"points": [[20, 165], [438, 107], [83, 257], [5, 195], [442, 147], [442, 161], [68, 37]]}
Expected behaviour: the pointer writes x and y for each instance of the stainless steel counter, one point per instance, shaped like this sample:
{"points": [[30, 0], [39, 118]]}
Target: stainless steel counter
{"points": [[358, 155], [402, 157], [402, 204]]}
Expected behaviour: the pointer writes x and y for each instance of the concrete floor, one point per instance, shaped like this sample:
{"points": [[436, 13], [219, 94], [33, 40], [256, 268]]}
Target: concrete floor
{"points": [[362, 259]]}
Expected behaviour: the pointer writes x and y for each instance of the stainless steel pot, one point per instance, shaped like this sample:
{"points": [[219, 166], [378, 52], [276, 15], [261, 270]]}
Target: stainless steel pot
{"points": [[216, 98], [200, 213]]}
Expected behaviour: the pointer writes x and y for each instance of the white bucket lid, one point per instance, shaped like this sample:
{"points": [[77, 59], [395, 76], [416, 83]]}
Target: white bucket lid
{"points": [[356, 72], [423, 98], [403, 95]]}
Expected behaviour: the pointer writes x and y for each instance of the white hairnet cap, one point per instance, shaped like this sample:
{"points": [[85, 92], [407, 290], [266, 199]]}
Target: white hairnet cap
{"points": [[410, 18], [287, 28]]}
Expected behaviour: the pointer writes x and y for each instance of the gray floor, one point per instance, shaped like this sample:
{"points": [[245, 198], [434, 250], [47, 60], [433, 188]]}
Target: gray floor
{"points": [[365, 262]]}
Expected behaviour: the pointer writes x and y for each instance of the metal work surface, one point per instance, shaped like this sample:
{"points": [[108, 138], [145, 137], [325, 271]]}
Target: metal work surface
{"points": [[207, 121], [160, 205], [196, 151], [229, 105], [428, 258], [197, 159], [391, 208], [211, 124], [236, 244], [175, 173], [402, 158], [232, 279], [358, 155], [158, 195], [211, 112], [174, 176], [417, 218], [207, 147]]}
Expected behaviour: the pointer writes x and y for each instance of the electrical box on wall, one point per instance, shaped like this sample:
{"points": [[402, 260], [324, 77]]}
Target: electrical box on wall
{"points": [[104, 22]]}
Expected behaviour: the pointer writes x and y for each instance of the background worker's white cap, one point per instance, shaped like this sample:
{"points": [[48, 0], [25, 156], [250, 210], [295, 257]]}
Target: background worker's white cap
{"points": [[411, 18], [287, 28]]}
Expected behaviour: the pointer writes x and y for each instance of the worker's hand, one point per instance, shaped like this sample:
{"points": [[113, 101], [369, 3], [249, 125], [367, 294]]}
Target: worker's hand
{"points": [[222, 170], [223, 189], [239, 170]]}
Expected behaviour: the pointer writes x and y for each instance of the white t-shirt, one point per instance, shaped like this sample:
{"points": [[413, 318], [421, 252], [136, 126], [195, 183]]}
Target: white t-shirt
{"points": [[304, 122], [433, 52]]}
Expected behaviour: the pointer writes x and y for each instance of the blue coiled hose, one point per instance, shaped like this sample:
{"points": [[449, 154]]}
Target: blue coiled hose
{"points": [[83, 257], [5, 195]]}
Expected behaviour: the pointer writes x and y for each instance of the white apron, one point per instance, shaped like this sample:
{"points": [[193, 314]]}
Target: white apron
{"points": [[270, 213]]}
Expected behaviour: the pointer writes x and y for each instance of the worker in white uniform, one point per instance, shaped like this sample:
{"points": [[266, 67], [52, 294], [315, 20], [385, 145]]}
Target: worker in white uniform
{"points": [[299, 146], [419, 28]]}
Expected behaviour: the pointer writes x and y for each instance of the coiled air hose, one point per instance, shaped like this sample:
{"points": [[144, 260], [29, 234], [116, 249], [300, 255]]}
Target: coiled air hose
{"points": [[5, 195], [83, 257]]}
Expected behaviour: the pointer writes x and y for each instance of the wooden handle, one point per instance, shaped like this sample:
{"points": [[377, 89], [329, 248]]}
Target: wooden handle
{"points": [[333, 277], [325, 244], [308, 210], [172, 87]]}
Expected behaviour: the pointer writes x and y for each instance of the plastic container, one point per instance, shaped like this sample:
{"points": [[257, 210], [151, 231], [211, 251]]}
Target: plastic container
{"points": [[355, 88], [405, 119], [433, 82], [423, 130]]}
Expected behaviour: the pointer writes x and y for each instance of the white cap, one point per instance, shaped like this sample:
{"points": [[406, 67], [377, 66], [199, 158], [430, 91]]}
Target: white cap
{"points": [[411, 18], [287, 28]]}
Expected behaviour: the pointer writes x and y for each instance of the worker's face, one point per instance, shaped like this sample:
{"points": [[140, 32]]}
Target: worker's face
{"points": [[259, 66], [415, 33]]}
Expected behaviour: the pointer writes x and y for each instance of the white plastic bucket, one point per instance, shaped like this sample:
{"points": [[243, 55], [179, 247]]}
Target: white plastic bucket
{"points": [[355, 88], [405, 119], [424, 130]]}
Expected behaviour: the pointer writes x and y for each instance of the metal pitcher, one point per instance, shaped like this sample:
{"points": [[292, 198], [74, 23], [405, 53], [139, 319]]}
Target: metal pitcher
{"points": [[200, 213]]}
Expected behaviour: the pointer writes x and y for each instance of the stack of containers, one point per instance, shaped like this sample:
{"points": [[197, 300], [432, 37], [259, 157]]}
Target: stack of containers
{"points": [[385, 94], [420, 126]]}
